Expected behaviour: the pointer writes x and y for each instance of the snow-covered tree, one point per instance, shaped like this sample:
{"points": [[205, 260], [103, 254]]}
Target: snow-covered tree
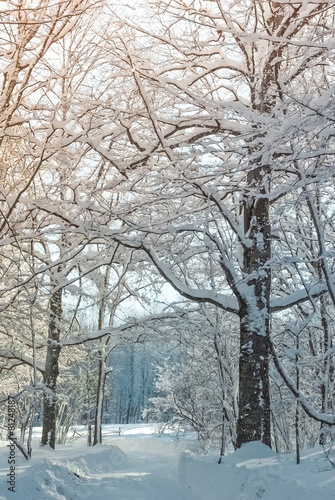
{"points": [[234, 121]]}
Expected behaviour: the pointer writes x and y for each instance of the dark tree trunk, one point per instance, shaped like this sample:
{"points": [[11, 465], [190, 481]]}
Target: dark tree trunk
{"points": [[254, 398], [51, 371], [100, 398]]}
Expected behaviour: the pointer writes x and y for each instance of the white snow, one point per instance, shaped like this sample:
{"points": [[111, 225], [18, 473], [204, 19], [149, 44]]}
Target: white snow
{"points": [[140, 464]]}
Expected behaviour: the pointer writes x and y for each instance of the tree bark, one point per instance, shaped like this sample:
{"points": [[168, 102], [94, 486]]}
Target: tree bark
{"points": [[254, 396], [52, 371]]}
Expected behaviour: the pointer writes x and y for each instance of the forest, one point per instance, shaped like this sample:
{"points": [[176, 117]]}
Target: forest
{"points": [[167, 219]]}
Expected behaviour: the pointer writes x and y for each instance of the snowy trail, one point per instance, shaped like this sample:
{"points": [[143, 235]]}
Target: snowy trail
{"points": [[141, 477]]}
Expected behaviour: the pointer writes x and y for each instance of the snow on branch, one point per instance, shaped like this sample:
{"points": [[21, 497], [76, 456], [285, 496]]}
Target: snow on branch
{"points": [[116, 331], [229, 304], [20, 357], [297, 297]]}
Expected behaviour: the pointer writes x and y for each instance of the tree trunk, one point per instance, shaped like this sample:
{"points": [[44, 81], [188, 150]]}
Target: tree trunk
{"points": [[51, 371], [103, 356], [254, 397], [100, 399]]}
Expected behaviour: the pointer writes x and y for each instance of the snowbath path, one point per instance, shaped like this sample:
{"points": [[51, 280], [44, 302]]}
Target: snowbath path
{"points": [[139, 465]]}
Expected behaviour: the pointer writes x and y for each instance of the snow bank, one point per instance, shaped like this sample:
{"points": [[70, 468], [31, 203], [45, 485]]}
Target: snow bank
{"points": [[102, 459], [61, 479], [47, 480], [251, 473]]}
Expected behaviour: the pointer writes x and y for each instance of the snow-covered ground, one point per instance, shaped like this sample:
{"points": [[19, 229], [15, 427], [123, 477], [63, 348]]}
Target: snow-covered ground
{"points": [[141, 465]]}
